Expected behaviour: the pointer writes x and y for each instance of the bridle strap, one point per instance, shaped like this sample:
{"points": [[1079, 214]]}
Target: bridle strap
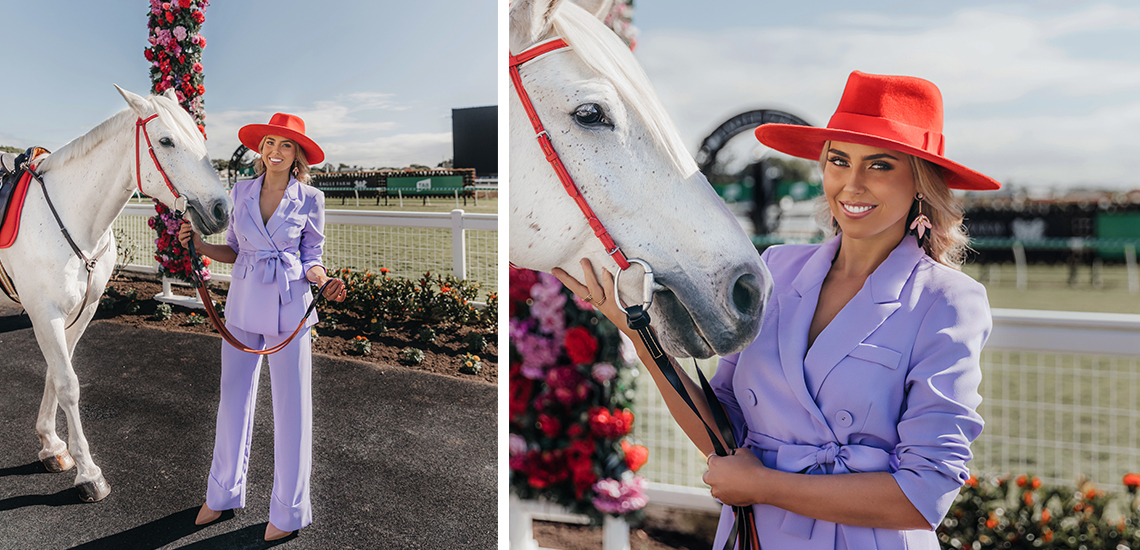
{"points": [[552, 156], [140, 124], [88, 263]]}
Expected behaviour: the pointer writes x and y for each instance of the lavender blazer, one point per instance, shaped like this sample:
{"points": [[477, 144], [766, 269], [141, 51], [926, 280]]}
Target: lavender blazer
{"points": [[269, 293], [891, 385]]}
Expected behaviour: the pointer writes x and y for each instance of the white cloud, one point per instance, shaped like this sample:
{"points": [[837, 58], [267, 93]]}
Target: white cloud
{"points": [[355, 129], [1019, 105]]}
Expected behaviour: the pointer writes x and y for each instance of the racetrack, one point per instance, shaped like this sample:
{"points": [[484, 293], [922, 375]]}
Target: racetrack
{"points": [[401, 459]]}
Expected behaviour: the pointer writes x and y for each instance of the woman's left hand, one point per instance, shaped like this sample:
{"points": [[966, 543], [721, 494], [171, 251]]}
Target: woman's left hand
{"points": [[335, 291], [735, 480]]}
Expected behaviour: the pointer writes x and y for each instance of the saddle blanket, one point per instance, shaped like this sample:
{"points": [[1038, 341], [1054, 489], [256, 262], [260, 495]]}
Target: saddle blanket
{"points": [[10, 225]]}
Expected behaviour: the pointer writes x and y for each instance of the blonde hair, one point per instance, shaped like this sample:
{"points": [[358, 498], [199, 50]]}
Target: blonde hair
{"points": [[300, 167], [947, 242]]}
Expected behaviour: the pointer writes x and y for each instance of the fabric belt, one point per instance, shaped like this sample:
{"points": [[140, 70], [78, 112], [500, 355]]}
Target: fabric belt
{"points": [[275, 270]]}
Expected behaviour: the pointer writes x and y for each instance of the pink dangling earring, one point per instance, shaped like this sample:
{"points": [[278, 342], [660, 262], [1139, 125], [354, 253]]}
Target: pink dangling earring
{"points": [[921, 223]]}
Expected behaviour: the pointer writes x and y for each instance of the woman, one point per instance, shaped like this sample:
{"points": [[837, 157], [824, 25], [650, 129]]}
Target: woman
{"points": [[867, 363], [275, 239]]}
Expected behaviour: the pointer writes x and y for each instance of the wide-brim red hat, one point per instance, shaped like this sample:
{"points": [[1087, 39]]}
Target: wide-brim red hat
{"points": [[287, 126], [901, 113]]}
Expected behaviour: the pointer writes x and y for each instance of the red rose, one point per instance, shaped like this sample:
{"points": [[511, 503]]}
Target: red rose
{"points": [[169, 17], [607, 425], [635, 455], [201, 89], [581, 346], [182, 59], [549, 425], [148, 54], [202, 40], [198, 16], [197, 67], [184, 3]]}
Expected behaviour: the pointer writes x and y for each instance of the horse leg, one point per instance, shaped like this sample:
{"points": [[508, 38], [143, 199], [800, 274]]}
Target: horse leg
{"points": [[54, 454], [89, 479]]}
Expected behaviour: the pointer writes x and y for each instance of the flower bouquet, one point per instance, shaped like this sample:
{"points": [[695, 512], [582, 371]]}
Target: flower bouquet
{"points": [[570, 393]]}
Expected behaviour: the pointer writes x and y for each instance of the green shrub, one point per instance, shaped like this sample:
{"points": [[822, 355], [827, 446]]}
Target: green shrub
{"points": [[427, 335], [413, 356], [362, 345], [163, 312], [475, 342], [470, 364], [195, 319]]}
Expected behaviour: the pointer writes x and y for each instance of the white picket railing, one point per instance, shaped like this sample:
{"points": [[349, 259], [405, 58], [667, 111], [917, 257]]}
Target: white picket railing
{"points": [[407, 243], [1060, 397]]}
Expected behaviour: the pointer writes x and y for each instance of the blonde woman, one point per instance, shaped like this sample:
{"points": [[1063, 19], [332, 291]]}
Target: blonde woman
{"points": [[275, 242], [858, 399]]}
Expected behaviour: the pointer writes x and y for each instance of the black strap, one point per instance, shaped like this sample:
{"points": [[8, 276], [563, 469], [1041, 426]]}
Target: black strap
{"points": [[638, 319]]}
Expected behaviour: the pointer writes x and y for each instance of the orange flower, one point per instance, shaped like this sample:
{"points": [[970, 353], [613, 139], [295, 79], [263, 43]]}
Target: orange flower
{"points": [[1028, 498], [1132, 481], [991, 523], [1045, 516], [1035, 482], [973, 481], [1048, 536], [1022, 480]]}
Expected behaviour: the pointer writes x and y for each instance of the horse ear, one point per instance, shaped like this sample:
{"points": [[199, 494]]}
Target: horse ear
{"points": [[530, 21], [600, 8], [135, 101]]}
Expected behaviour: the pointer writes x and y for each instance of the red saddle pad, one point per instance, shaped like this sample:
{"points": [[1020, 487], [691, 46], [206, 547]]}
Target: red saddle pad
{"points": [[10, 225]]}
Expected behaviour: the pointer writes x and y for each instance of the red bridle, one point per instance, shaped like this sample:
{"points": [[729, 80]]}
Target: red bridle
{"points": [[140, 124], [552, 156]]}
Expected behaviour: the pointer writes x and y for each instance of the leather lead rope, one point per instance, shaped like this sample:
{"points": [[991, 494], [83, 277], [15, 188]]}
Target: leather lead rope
{"points": [[88, 263], [204, 295], [638, 319]]}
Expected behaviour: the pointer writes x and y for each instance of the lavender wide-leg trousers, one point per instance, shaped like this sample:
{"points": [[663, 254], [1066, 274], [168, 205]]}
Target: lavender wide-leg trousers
{"points": [[290, 372]]}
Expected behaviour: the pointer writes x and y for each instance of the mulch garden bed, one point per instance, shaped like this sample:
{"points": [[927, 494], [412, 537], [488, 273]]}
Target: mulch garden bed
{"points": [[580, 537], [443, 356]]}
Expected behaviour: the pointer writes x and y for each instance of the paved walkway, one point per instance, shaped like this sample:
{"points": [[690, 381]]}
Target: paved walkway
{"points": [[402, 459]]}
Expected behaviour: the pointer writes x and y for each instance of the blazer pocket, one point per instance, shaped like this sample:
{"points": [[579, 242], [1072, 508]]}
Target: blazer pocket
{"points": [[239, 271], [876, 354]]}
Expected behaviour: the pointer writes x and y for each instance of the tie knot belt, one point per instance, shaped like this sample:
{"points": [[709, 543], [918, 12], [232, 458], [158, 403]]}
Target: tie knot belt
{"points": [[275, 271]]}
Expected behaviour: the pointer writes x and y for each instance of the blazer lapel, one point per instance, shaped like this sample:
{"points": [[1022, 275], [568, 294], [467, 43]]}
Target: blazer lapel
{"points": [[797, 307], [289, 203], [253, 208], [876, 301]]}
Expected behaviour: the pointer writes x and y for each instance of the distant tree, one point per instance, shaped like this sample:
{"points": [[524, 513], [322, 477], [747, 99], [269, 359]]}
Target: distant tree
{"points": [[220, 164], [792, 169], [445, 164], [418, 167], [10, 149]]}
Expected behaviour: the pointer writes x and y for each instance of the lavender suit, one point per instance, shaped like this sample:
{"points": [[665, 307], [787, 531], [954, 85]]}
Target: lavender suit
{"points": [[889, 386], [268, 294]]}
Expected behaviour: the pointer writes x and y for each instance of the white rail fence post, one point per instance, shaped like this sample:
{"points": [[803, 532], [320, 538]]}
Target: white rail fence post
{"points": [[458, 245], [615, 531]]}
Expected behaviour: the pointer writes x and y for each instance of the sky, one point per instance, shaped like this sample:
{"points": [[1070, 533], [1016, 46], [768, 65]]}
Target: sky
{"points": [[375, 81], [1042, 94]]}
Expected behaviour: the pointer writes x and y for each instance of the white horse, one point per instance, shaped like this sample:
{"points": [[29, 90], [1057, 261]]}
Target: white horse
{"points": [[90, 180], [625, 155]]}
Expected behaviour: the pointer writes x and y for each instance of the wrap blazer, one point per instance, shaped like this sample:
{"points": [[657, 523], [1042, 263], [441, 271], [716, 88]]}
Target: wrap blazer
{"points": [[269, 292], [890, 385]]}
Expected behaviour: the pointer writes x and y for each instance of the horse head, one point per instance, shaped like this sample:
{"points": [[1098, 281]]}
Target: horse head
{"points": [[626, 157], [180, 157]]}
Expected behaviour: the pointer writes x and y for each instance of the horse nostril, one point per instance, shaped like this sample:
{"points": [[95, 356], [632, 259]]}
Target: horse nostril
{"points": [[220, 212], [746, 294]]}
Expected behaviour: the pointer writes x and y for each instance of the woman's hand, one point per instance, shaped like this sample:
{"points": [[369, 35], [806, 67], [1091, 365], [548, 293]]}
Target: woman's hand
{"points": [[595, 293], [185, 233], [335, 291], [736, 479]]}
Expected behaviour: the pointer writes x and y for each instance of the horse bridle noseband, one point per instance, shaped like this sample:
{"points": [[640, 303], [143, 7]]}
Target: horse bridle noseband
{"points": [[637, 316]]}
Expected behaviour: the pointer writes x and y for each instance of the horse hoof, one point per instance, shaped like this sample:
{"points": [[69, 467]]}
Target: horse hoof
{"points": [[61, 462], [93, 491]]}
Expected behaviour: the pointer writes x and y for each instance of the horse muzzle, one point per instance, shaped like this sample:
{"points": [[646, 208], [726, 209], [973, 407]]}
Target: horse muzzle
{"points": [[210, 217]]}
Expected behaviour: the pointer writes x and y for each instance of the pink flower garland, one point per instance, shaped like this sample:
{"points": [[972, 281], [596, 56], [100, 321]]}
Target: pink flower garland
{"points": [[175, 53]]}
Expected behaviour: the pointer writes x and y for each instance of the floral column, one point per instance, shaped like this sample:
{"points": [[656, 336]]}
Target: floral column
{"points": [[175, 53], [570, 392]]}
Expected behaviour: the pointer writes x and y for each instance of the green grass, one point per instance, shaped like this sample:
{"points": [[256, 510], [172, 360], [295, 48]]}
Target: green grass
{"points": [[438, 204], [1049, 287]]}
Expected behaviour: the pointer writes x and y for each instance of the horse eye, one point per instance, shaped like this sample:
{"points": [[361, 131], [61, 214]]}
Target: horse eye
{"points": [[166, 142], [591, 114]]}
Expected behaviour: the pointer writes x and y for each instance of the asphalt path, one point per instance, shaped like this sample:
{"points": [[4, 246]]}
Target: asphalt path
{"points": [[401, 459]]}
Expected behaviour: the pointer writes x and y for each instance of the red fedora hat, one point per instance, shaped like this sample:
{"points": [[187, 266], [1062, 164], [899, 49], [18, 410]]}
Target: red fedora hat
{"points": [[901, 113], [284, 125]]}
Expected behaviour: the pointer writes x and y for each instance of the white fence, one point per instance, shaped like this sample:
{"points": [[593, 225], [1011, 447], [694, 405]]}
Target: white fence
{"points": [[407, 243], [1060, 397]]}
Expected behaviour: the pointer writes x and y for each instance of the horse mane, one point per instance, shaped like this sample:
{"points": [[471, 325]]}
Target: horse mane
{"points": [[601, 49], [169, 112]]}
